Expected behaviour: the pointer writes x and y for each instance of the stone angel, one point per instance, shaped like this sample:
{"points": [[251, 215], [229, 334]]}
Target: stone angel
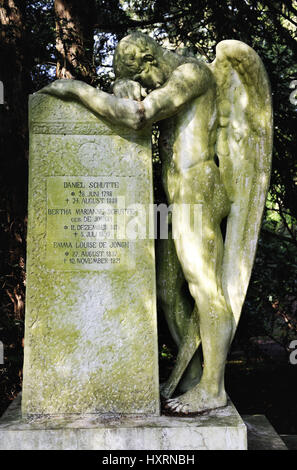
{"points": [[215, 124]]}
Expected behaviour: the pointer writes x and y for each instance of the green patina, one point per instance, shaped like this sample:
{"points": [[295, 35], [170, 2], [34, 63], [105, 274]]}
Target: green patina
{"points": [[90, 339]]}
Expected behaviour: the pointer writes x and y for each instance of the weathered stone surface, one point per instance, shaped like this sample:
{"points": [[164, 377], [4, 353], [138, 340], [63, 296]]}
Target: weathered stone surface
{"points": [[261, 435], [91, 336], [290, 441], [215, 147], [220, 429]]}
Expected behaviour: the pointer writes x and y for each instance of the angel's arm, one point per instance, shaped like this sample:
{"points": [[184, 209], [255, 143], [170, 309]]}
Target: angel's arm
{"points": [[120, 111], [185, 83]]}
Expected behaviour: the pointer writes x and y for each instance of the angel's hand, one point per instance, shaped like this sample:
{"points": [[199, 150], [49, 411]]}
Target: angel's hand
{"points": [[62, 88], [125, 88]]}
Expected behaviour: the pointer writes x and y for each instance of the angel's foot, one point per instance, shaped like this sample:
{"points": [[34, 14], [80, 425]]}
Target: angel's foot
{"points": [[167, 388], [197, 400]]}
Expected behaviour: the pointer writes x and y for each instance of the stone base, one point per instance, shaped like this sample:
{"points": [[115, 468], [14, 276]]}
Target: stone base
{"points": [[261, 435], [221, 429], [290, 441]]}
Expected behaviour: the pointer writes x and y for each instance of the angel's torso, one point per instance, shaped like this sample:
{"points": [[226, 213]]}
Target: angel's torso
{"points": [[187, 150]]}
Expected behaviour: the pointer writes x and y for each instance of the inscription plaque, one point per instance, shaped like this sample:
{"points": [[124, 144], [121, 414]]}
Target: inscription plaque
{"points": [[86, 220]]}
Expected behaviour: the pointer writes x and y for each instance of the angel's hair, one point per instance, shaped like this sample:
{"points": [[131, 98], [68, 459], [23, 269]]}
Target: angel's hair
{"points": [[124, 68]]}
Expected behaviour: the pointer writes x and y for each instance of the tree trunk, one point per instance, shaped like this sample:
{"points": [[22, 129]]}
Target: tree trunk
{"points": [[74, 39], [15, 76], [16, 80]]}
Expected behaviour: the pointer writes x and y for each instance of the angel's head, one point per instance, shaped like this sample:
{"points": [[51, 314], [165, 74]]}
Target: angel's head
{"points": [[138, 57]]}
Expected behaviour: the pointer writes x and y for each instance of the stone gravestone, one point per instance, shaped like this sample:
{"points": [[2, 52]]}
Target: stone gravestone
{"points": [[90, 334]]}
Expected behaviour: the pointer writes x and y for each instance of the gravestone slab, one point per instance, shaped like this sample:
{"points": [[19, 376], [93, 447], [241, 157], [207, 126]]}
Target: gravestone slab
{"points": [[261, 435], [220, 429], [90, 332]]}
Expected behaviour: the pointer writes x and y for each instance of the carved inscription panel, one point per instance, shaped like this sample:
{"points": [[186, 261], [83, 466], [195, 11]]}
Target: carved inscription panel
{"points": [[86, 220]]}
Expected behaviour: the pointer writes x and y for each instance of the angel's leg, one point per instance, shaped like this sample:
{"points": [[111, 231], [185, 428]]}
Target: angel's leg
{"points": [[201, 256], [187, 359], [216, 334], [177, 305]]}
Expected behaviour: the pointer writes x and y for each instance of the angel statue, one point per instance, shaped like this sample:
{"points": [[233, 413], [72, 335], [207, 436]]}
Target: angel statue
{"points": [[215, 124]]}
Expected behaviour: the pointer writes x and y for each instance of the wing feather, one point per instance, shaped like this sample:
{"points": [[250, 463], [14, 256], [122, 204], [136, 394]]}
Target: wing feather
{"points": [[244, 149]]}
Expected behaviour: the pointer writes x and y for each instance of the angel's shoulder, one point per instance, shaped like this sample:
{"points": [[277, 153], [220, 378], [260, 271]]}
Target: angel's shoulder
{"points": [[193, 73]]}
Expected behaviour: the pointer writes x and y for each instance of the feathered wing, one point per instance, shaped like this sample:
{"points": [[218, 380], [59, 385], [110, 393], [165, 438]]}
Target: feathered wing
{"points": [[244, 149]]}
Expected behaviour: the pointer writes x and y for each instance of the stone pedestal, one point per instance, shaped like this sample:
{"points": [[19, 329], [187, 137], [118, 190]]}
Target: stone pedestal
{"points": [[220, 429], [90, 332]]}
